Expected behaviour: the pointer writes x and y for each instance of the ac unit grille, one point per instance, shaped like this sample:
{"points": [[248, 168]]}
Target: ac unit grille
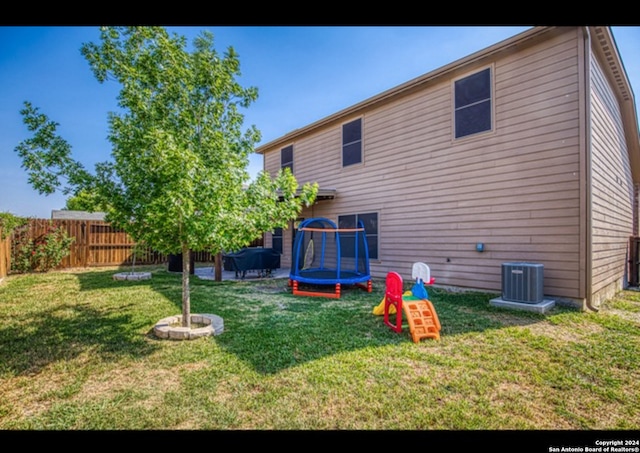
{"points": [[522, 282]]}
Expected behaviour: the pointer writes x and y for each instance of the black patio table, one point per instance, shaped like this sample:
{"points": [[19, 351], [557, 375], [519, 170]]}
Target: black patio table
{"points": [[259, 259]]}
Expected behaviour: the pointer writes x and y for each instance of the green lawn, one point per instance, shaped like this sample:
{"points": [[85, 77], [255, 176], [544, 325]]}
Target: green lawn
{"points": [[77, 353]]}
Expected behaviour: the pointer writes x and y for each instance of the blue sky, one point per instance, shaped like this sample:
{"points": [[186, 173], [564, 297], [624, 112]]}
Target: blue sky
{"points": [[303, 73]]}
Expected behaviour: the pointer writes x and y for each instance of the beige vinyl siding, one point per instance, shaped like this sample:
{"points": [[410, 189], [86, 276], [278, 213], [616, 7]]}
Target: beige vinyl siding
{"points": [[612, 188], [516, 189]]}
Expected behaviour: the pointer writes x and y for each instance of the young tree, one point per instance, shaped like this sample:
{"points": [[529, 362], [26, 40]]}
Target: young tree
{"points": [[178, 179], [84, 201]]}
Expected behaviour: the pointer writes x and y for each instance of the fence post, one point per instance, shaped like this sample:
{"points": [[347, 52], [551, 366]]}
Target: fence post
{"points": [[5, 255], [84, 235]]}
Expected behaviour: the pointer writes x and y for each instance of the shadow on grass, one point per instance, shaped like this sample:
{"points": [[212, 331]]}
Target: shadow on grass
{"points": [[65, 332], [265, 326], [269, 328], [65, 326]]}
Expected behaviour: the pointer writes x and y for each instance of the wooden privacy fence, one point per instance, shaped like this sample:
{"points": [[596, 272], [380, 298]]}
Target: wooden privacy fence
{"points": [[97, 243]]}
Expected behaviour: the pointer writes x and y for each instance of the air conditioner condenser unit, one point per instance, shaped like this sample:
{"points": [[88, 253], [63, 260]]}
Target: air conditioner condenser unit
{"points": [[523, 282]]}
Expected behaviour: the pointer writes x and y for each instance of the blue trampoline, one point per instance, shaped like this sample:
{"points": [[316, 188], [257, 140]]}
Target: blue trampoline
{"points": [[324, 254]]}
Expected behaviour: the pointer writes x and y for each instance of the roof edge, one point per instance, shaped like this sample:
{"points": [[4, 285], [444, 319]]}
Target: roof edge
{"points": [[607, 48], [411, 85]]}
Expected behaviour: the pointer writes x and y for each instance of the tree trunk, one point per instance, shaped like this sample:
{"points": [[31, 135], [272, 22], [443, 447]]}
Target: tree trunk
{"points": [[218, 265], [186, 300]]}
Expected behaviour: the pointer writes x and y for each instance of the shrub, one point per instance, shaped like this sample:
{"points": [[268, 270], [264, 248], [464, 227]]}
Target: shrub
{"points": [[8, 223], [42, 253]]}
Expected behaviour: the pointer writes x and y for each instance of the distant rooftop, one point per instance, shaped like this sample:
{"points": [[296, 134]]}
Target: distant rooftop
{"points": [[63, 214]]}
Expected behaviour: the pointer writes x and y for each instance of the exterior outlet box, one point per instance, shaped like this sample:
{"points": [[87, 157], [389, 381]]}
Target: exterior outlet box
{"points": [[523, 282]]}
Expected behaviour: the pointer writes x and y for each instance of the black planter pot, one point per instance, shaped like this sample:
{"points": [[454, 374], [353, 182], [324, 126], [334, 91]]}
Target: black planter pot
{"points": [[175, 263]]}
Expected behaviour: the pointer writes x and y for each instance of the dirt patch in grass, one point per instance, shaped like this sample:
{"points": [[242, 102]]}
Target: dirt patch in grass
{"points": [[565, 332], [151, 385], [270, 289]]}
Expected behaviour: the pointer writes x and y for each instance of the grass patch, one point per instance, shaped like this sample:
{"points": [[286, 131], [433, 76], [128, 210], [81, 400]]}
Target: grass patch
{"points": [[77, 352]]}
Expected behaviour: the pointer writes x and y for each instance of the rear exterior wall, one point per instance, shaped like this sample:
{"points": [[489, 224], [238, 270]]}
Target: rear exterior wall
{"points": [[612, 191], [519, 190]]}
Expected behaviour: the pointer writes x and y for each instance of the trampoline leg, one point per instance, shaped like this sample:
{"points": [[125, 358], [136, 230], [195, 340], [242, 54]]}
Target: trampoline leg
{"points": [[337, 290], [368, 287]]}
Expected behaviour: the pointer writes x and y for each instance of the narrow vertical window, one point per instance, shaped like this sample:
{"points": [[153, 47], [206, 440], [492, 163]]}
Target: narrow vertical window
{"points": [[473, 104], [286, 158], [276, 240], [352, 143], [370, 221]]}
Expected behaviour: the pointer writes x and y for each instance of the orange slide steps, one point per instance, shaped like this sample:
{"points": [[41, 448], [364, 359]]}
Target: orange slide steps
{"points": [[422, 318]]}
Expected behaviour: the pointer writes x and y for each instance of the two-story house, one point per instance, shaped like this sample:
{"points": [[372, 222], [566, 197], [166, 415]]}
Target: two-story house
{"points": [[526, 151]]}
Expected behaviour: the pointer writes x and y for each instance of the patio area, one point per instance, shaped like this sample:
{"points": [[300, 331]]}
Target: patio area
{"points": [[206, 273]]}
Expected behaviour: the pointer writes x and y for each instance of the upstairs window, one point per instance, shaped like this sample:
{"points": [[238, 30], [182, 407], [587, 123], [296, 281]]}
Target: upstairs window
{"points": [[286, 158], [352, 143], [473, 104]]}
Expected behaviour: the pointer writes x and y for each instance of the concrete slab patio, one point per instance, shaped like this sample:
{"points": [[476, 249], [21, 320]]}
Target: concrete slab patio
{"points": [[206, 273]]}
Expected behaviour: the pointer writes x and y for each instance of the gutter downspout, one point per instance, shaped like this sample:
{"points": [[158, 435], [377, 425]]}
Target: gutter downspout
{"points": [[588, 170]]}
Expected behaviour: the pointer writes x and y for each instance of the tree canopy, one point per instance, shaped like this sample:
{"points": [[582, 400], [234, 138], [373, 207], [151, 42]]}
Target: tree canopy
{"points": [[178, 177]]}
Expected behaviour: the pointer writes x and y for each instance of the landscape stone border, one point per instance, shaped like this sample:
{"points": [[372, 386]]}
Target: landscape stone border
{"points": [[132, 276], [171, 327]]}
